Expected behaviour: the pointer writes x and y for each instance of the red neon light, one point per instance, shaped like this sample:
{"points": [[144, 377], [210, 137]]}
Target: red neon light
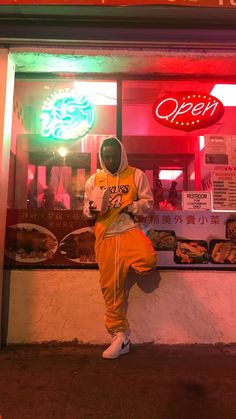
{"points": [[198, 3], [188, 110], [190, 3]]}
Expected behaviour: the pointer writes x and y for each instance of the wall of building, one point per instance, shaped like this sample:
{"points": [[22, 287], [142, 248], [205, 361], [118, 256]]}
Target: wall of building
{"points": [[170, 307], [7, 71]]}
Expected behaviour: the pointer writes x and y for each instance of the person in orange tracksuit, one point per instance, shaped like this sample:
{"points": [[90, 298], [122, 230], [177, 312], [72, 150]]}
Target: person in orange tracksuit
{"points": [[120, 243]]}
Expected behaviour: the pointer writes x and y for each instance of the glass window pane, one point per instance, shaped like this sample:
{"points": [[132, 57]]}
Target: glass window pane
{"points": [[174, 159], [58, 125]]}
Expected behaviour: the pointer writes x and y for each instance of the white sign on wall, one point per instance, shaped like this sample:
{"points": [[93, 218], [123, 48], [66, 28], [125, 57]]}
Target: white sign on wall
{"points": [[196, 200], [217, 149]]}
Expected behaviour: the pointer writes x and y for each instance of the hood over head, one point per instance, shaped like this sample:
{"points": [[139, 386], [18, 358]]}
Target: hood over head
{"points": [[123, 156]]}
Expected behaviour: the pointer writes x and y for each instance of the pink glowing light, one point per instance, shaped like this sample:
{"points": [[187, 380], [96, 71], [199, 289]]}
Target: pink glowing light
{"points": [[169, 174]]}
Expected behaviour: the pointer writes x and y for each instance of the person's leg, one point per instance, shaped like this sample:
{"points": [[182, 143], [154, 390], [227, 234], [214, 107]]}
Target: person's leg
{"points": [[140, 254], [134, 249], [112, 275]]}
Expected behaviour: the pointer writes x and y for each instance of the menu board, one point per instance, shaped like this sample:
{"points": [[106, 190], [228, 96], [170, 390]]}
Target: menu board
{"points": [[224, 190], [64, 238]]}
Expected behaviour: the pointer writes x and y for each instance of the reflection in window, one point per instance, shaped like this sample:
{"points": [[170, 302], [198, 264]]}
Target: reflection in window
{"points": [[174, 160], [50, 172]]}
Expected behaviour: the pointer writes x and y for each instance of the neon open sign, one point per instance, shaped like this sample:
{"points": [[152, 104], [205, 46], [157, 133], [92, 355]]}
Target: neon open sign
{"points": [[66, 115], [188, 111]]}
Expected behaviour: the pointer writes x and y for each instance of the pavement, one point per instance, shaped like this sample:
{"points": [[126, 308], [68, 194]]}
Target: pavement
{"points": [[72, 381]]}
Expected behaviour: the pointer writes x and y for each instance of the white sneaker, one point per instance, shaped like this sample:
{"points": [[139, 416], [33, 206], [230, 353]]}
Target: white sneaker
{"points": [[120, 345]]}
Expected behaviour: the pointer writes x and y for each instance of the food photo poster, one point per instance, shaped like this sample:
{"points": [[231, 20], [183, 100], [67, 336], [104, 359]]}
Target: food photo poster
{"points": [[44, 238]]}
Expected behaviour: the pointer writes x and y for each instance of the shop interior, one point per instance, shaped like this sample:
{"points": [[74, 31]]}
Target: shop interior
{"points": [[49, 172]]}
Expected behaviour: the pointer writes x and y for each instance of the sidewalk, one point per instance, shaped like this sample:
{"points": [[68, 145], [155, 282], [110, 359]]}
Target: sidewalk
{"points": [[70, 381]]}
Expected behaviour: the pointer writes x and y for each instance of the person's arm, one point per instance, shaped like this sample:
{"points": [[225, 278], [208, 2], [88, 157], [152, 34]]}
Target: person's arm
{"points": [[89, 210], [144, 202]]}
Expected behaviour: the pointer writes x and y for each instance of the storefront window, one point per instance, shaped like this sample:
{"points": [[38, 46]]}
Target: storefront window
{"points": [[58, 125], [56, 134], [176, 160]]}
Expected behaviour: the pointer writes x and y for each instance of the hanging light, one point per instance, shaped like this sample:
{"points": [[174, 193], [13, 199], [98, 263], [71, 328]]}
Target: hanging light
{"points": [[62, 151]]}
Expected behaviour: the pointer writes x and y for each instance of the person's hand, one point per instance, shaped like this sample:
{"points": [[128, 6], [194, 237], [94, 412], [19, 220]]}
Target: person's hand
{"points": [[125, 210], [92, 208]]}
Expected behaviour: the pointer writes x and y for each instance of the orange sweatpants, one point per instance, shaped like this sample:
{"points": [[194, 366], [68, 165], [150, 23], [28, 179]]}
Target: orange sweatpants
{"points": [[115, 255]]}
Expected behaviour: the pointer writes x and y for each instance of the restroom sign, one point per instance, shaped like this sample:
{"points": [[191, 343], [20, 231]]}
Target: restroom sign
{"points": [[187, 110], [196, 200]]}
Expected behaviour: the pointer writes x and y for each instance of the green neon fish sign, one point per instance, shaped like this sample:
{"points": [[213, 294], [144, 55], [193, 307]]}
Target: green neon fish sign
{"points": [[66, 115]]}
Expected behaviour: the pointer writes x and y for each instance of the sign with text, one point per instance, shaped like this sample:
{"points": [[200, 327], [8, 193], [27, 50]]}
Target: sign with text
{"points": [[193, 239], [224, 190], [47, 238], [187, 110], [66, 115], [195, 3], [41, 238], [196, 200], [217, 149]]}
